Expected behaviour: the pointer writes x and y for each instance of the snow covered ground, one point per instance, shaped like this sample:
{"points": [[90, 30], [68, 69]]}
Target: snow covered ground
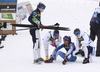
{"points": [[17, 55]]}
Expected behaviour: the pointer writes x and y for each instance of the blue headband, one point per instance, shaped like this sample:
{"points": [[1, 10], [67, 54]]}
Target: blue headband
{"points": [[56, 34], [41, 6], [77, 33], [66, 38]]}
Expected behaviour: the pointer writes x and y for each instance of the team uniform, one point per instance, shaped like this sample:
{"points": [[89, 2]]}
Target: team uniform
{"points": [[35, 19], [68, 56], [87, 47], [95, 28], [50, 40], [69, 52]]}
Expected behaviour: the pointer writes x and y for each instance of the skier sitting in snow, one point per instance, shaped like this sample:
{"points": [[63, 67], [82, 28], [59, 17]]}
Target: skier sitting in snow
{"points": [[35, 19], [53, 38], [84, 45], [69, 47]]}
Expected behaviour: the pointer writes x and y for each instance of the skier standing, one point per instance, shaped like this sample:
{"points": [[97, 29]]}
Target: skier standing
{"points": [[95, 28], [84, 45], [35, 19]]}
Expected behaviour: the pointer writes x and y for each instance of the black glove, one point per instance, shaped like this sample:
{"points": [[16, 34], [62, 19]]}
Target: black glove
{"points": [[80, 52], [57, 24], [41, 26], [3, 24], [0, 25], [80, 45]]}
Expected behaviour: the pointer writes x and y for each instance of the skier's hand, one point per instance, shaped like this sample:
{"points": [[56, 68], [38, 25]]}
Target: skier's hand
{"points": [[80, 45], [54, 44], [57, 25], [65, 55]]}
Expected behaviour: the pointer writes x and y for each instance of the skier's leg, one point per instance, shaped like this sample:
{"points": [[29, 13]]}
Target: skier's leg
{"points": [[72, 58], [86, 52], [92, 33], [46, 46], [54, 50], [85, 49], [98, 43], [39, 41], [61, 54], [35, 50]]}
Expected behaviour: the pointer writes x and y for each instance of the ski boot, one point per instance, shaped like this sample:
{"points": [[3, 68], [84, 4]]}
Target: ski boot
{"points": [[64, 61], [50, 60], [46, 58], [40, 59], [86, 60], [36, 62]]}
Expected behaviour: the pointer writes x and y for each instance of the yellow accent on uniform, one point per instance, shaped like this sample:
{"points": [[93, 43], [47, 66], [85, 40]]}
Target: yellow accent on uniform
{"points": [[80, 39], [67, 46], [46, 58], [2, 24], [38, 15]]}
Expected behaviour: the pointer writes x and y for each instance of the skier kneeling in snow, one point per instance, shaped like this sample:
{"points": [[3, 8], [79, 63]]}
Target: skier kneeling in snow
{"points": [[84, 46], [35, 19], [52, 38], [69, 47]]}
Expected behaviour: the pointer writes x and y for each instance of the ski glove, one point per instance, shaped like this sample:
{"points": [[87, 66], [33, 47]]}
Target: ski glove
{"points": [[80, 52], [54, 44], [80, 45]]}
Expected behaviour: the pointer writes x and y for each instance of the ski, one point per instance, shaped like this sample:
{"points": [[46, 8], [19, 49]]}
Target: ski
{"points": [[22, 25], [42, 27]]}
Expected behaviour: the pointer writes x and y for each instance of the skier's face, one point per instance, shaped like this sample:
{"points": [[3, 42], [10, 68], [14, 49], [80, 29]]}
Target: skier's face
{"points": [[77, 35], [55, 37], [66, 42], [41, 10]]}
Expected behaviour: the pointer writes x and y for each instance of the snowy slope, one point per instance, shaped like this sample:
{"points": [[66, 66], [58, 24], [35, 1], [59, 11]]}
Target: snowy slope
{"points": [[17, 55]]}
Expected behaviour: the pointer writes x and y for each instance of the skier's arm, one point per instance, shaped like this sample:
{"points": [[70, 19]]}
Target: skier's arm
{"points": [[46, 39], [70, 50], [77, 44], [58, 48], [86, 39], [58, 41]]}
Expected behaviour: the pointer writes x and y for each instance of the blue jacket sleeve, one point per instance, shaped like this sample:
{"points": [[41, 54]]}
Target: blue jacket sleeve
{"points": [[71, 49], [61, 46]]}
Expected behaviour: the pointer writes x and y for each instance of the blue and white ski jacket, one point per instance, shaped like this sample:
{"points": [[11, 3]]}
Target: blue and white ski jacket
{"points": [[69, 48]]}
